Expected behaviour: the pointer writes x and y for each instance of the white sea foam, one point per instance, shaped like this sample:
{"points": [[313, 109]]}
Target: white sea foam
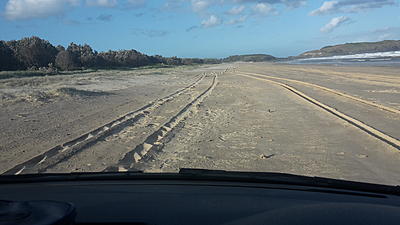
{"points": [[359, 56]]}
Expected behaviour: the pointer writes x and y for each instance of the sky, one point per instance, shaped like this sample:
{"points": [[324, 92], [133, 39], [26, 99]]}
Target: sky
{"points": [[202, 28]]}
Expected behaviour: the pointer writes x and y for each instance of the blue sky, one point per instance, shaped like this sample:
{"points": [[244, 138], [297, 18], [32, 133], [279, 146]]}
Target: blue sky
{"points": [[202, 28]]}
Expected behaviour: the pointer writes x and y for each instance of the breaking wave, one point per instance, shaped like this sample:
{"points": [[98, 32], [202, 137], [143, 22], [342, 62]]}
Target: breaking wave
{"points": [[358, 56]]}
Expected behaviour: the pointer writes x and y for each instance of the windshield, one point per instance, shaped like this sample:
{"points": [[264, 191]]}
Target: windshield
{"points": [[291, 86]]}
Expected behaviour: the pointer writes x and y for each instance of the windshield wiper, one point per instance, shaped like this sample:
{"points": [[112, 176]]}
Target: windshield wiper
{"points": [[208, 175]]}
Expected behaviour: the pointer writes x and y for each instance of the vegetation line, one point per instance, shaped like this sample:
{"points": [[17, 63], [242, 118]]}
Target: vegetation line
{"points": [[35, 54], [40, 57]]}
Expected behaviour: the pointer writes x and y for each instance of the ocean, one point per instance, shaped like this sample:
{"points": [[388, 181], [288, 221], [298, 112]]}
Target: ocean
{"points": [[366, 59]]}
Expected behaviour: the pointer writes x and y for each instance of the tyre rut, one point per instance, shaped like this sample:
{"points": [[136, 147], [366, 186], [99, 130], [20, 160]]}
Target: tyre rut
{"points": [[368, 129], [379, 106], [156, 140], [58, 153]]}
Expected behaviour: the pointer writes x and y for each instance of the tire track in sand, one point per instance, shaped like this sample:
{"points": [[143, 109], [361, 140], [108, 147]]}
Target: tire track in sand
{"points": [[370, 130], [58, 153], [379, 106], [156, 140]]}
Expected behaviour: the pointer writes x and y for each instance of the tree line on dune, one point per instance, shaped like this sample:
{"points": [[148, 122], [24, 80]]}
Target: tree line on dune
{"points": [[33, 53]]}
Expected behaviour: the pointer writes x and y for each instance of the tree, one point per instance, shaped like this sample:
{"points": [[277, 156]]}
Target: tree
{"points": [[173, 61], [124, 58], [60, 48], [66, 60], [7, 58], [88, 57], [33, 52], [190, 61], [36, 53], [74, 52]]}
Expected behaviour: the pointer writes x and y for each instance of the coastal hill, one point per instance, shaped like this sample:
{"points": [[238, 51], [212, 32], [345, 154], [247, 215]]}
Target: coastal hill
{"points": [[249, 58], [353, 48]]}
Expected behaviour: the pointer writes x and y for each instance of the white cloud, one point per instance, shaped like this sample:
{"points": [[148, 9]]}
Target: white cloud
{"points": [[288, 3], [263, 8], [236, 10], [28, 9], [236, 21], [325, 8], [334, 23], [211, 21], [102, 3], [350, 6], [200, 5]]}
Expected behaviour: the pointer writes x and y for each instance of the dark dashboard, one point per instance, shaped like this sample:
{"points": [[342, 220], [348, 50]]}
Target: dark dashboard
{"points": [[208, 201]]}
